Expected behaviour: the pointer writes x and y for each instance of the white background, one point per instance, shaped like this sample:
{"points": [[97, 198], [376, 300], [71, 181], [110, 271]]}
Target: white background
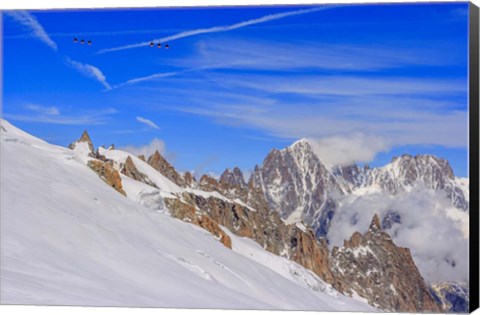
{"points": [[28, 4]]}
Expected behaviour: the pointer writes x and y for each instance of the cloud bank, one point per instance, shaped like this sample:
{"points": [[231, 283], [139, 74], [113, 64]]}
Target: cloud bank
{"points": [[348, 149], [146, 150]]}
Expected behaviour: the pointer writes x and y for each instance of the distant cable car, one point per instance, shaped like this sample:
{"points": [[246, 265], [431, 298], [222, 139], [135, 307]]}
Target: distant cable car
{"points": [[82, 42], [151, 44], [166, 46], [75, 40], [89, 42], [159, 45]]}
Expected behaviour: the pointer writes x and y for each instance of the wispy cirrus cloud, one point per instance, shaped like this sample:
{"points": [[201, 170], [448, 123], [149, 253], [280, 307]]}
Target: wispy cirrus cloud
{"points": [[89, 71], [44, 110], [247, 54], [343, 85], [151, 77], [217, 29], [52, 115], [147, 122], [31, 23]]}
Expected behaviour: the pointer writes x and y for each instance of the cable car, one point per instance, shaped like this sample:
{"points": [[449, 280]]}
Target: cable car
{"points": [[151, 44], [89, 42], [166, 46], [82, 41], [75, 40], [159, 45]]}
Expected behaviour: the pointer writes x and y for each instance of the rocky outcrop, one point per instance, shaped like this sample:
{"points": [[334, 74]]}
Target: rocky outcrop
{"points": [[453, 297], [129, 169], [142, 157], [190, 180], [295, 242], [157, 161], [85, 138], [187, 213], [107, 173], [208, 183], [373, 267]]}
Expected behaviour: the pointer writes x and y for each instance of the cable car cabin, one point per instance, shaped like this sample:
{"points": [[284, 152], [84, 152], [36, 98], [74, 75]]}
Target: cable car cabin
{"points": [[151, 44], [75, 40]]}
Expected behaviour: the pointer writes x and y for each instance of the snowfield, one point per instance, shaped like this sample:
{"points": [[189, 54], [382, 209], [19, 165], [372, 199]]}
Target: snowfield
{"points": [[67, 238]]}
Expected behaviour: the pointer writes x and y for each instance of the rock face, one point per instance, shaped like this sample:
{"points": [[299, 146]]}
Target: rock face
{"points": [[85, 138], [208, 183], [157, 161], [107, 173], [190, 181], [298, 186], [187, 213], [453, 297], [375, 268], [129, 169]]}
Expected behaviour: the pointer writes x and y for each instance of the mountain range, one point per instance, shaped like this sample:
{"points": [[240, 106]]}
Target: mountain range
{"points": [[290, 208]]}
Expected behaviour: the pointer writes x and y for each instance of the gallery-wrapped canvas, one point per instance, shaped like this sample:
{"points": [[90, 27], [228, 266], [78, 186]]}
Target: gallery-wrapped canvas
{"points": [[309, 157]]}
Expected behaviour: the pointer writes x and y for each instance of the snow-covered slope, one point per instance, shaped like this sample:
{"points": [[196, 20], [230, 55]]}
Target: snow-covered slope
{"points": [[68, 238]]}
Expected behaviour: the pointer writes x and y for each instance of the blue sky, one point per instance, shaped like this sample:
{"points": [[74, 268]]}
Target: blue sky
{"points": [[381, 79]]}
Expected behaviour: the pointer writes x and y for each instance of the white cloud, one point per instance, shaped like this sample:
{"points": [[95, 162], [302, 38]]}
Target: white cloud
{"points": [[440, 256], [147, 122], [217, 29], [146, 150], [30, 22], [89, 71], [348, 149], [44, 110], [148, 78], [346, 85], [52, 115], [246, 54]]}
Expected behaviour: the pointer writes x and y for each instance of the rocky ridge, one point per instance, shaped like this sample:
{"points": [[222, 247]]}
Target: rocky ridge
{"points": [[270, 209], [375, 268]]}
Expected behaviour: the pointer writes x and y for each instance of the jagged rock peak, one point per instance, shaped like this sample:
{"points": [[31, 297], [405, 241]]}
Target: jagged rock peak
{"points": [[208, 183], [381, 272], [232, 178], [85, 138], [189, 179], [375, 224], [302, 145], [419, 161], [129, 169], [142, 157], [158, 162]]}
